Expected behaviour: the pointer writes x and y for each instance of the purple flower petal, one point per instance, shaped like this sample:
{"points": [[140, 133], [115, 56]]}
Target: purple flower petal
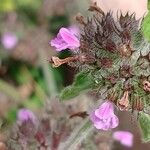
{"points": [[65, 39], [105, 110], [114, 121], [59, 44], [101, 125], [69, 38], [124, 137], [93, 117], [25, 115], [104, 118]]}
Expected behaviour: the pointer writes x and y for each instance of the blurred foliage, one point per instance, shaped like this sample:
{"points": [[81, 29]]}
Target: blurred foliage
{"points": [[56, 22], [20, 73], [146, 27], [7, 5], [144, 120], [28, 10], [146, 24]]}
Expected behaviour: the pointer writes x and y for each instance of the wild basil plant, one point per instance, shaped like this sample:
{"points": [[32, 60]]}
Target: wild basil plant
{"points": [[109, 54]]}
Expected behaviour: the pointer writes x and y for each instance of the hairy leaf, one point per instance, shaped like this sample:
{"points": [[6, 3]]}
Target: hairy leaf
{"points": [[144, 121], [146, 24], [83, 81]]}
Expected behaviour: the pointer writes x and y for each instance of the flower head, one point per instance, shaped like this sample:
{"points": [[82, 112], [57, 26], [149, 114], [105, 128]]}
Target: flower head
{"points": [[27, 122], [124, 137], [25, 115], [9, 40], [104, 117], [65, 39]]}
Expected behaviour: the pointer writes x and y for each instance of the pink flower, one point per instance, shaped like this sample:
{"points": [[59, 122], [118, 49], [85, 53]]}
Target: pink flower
{"points": [[9, 40], [25, 115], [104, 118], [124, 137], [65, 39], [75, 30]]}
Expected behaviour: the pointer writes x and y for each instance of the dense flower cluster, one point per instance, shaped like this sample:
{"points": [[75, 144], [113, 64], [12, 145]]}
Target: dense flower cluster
{"points": [[116, 56]]}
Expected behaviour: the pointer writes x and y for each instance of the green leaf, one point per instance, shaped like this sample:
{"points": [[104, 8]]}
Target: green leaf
{"points": [[11, 116], [69, 92], [144, 121], [83, 81], [146, 27], [7, 5]]}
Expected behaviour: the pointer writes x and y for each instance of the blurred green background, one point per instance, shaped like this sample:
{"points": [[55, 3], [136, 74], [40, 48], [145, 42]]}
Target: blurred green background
{"points": [[26, 77]]}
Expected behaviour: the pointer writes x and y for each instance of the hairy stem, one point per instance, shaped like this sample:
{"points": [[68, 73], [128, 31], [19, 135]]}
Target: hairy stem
{"points": [[78, 135], [48, 73]]}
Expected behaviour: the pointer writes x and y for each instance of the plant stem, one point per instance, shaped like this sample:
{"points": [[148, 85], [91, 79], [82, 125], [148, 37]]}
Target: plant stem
{"points": [[48, 73], [79, 134]]}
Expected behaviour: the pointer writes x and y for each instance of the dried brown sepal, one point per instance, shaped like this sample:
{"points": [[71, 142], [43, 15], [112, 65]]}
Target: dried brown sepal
{"points": [[112, 96], [94, 7], [126, 71], [146, 85], [56, 62], [123, 103], [124, 50], [80, 19], [82, 58], [106, 62], [112, 78], [79, 114], [128, 87], [137, 104]]}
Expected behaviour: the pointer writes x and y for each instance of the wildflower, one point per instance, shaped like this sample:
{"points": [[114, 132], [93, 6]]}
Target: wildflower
{"points": [[9, 40], [65, 39], [104, 117], [27, 122], [124, 137], [25, 115]]}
